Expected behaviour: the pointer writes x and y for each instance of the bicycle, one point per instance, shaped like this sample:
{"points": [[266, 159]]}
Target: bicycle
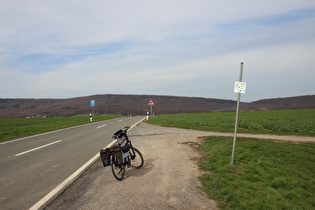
{"points": [[121, 155]]}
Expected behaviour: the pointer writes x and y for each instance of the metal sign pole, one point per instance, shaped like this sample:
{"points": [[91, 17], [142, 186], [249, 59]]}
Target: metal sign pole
{"points": [[237, 110], [151, 103], [92, 105]]}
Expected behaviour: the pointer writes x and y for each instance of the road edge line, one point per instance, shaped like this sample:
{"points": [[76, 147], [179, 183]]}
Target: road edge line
{"points": [[137, 123], [42, 203]]}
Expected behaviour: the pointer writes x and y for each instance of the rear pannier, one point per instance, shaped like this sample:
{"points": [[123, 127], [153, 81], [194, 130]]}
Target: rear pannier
{"points": [[105, 155], [122, 155]]}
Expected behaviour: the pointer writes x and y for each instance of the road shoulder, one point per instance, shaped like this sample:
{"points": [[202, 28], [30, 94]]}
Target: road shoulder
{"points": [[168, 179]]}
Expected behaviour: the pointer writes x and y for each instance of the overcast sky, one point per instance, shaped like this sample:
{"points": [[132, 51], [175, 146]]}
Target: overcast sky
{"points": [[65, 49]]}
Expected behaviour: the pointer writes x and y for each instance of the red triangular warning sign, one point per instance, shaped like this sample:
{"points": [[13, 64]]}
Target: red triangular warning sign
{"points": [[151, 103]]}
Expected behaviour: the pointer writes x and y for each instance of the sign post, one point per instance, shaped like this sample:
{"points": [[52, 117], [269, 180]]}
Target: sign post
{"points": [[92, 105], [151, 103], [239, 88]]}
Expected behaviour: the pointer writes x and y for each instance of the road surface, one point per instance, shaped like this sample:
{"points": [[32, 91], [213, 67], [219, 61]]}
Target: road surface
{"points": [[32, 167], [167, 180]]}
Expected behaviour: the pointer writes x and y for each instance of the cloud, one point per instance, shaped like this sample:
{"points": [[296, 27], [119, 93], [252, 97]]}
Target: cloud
{"points": [[194, 48]]}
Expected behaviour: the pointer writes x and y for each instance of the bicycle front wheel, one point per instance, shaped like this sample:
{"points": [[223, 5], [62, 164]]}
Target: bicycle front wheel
{"points": [[136, 158], [118, 170]]}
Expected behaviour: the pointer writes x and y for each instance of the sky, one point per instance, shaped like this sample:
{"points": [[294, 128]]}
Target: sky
{"points": [[74, 48]]}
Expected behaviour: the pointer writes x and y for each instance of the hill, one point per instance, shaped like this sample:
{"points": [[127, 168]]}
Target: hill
{"points": [[138, 105], [299, 102]]}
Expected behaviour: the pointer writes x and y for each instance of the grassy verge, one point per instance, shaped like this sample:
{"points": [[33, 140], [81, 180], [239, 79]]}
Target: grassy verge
{"points": [[265, 174], [284, 122], [20, 127]]}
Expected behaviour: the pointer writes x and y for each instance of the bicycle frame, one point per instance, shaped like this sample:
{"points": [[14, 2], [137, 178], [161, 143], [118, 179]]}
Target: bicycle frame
{"points": [[121, 155]]}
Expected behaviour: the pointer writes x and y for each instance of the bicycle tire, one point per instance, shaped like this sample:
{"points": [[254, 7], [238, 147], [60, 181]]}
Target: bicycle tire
{"points": [[136, 162], [118, 170]]}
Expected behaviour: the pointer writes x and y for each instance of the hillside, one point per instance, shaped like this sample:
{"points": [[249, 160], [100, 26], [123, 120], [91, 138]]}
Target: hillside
{"points": [[299, 102], [138, 105]]}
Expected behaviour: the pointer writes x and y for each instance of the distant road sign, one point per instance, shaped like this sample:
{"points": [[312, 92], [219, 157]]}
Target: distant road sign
{"points": [[92, 102], [151, 103]]}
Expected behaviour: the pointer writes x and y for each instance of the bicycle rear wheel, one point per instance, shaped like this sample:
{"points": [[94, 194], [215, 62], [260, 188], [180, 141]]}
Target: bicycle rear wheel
{"points": [[136, 158], [118, 170]]}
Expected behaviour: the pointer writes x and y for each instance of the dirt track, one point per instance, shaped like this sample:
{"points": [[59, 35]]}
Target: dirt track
{"points": [[168, 179]]}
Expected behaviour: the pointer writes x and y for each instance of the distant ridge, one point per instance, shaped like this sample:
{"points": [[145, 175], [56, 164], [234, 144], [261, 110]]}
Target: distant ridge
{"points": [[138, 105], [298, 102]]}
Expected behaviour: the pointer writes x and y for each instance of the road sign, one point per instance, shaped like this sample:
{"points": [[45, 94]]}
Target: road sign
{"points": [[92, 102], [239, 87], [151, 103]]}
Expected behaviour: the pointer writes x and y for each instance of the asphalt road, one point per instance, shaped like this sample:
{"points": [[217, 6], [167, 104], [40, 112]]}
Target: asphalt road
{"points": [[167, 180], [32, 167]]}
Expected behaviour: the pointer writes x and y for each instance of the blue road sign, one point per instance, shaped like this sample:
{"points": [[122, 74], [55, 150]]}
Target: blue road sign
{"points": [[92, 102]]}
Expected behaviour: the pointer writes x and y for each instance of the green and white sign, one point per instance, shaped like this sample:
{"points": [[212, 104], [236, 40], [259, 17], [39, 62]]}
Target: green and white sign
{"points": [[239, 87]]}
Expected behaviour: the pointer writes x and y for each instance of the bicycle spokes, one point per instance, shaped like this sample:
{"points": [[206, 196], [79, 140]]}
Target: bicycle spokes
{"points": [[122, 155]]}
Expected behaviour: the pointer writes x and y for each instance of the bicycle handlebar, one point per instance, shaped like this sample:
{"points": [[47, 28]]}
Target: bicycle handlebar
{"points": [[120, 133]]}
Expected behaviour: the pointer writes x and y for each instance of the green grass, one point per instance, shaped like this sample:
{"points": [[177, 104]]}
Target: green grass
{"points": [[284, 122], [19, 127], [265, 174]]}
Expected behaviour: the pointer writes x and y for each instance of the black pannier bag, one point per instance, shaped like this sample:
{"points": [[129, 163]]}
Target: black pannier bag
{"points": [[105, 155], [122, 155]]}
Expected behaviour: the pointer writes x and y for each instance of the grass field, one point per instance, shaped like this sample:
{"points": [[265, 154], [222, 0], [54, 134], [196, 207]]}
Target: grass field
{"points": [[19, 127], [284, 122], [265, 174]]}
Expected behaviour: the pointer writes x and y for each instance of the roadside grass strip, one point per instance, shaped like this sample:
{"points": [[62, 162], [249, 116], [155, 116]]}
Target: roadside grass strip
{"points": [[265, 174], [20, 127]]}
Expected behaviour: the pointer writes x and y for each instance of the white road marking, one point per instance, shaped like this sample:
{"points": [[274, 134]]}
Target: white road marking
{"points": [[42, 203], [37, 148], [114, 141], [137, 123], [120, 120], [61, 187], [42, 134], [101, 126]]}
